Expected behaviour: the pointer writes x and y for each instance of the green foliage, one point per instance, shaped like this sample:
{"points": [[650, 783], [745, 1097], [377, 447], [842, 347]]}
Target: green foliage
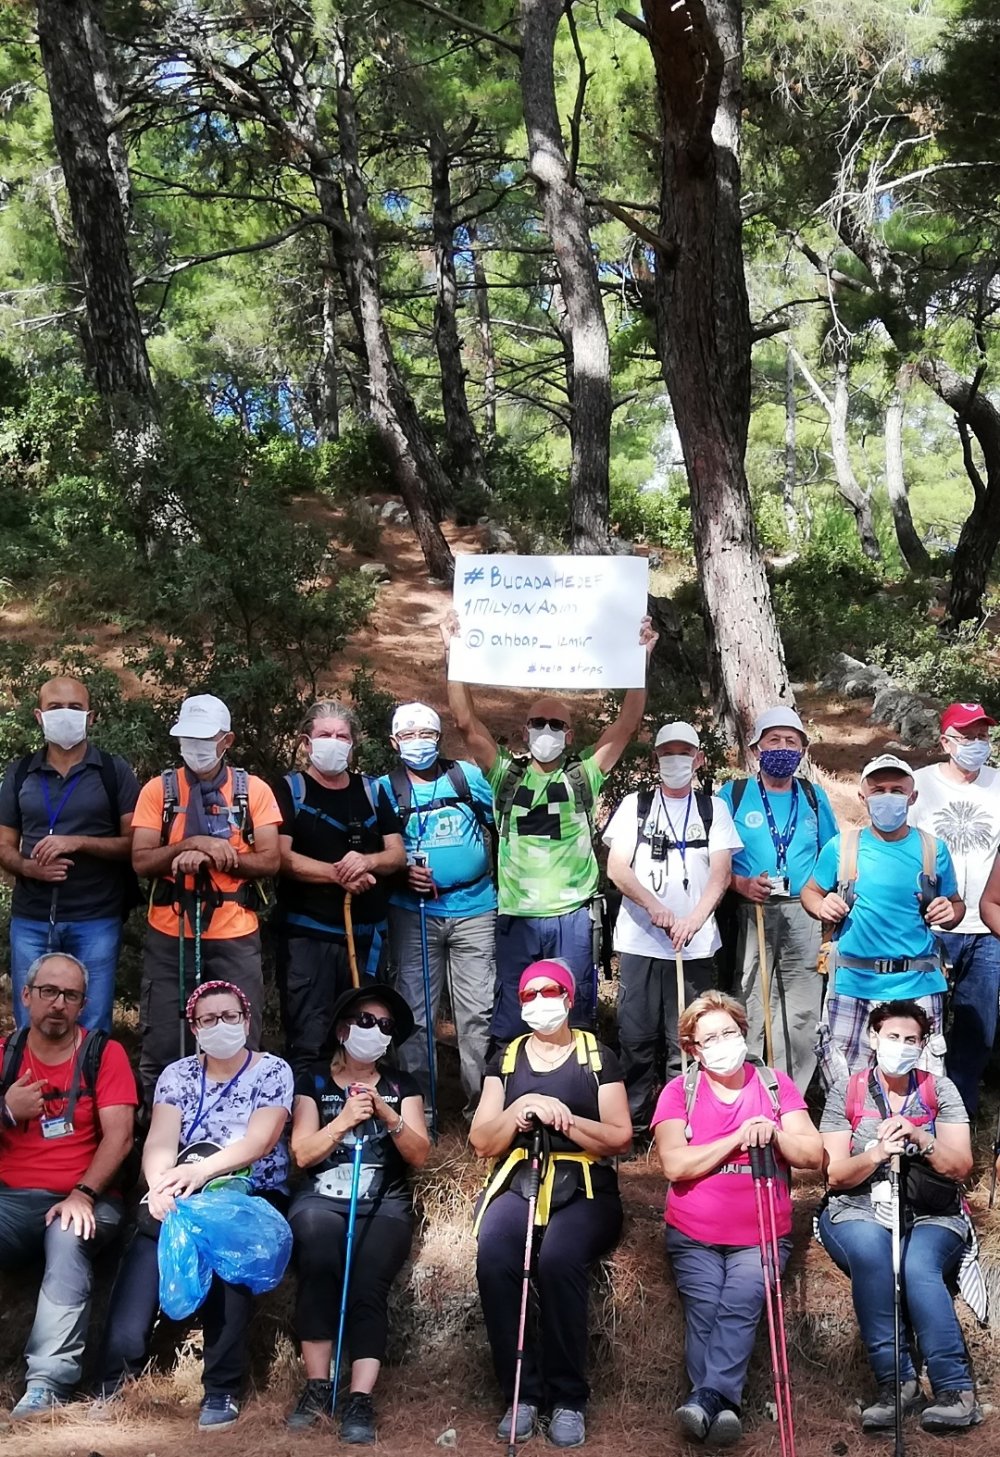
{"points": [[661, 517], [529, 497], [374, 707], [353, 465]]}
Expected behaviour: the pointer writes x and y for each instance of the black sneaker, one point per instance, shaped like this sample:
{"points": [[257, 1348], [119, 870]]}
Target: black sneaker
{"points": [[357, 1424], [312, 1406]]}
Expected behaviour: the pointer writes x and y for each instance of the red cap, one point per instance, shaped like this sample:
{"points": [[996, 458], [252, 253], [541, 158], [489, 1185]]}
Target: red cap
{"points": [[960, 715], [556, 971]]}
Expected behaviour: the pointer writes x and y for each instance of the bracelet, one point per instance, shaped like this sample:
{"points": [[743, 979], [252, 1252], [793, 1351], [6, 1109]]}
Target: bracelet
{"points": [[395, 1132], [91, 1194]]}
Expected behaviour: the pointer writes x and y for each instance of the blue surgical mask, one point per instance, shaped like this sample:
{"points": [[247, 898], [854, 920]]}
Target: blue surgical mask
{"points": [[971, 756], [888, 812], [418, 753], [780, 763]]}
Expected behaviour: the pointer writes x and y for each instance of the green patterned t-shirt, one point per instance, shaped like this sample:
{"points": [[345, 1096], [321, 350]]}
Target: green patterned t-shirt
{"points": [[545, 862]]}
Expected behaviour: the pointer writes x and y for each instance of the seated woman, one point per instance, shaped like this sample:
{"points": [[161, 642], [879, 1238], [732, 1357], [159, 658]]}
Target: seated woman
{"points": [[870, 1117], [705, 1123], [354, 1097], [572, 1086], [239, 1101]]}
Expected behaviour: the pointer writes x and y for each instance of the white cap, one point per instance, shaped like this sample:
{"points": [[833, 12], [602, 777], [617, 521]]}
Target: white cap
{"points": [[776, 718], [202, 717], [885, 761], [412, 716], [679, 733]]}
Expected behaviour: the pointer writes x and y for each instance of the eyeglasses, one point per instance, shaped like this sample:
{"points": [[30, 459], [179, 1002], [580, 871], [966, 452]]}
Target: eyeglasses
{"points": [[368, 1020], [407, 735], [212, 1019], [715, 1038], [52, 994], [552, 723], [530, 993]]}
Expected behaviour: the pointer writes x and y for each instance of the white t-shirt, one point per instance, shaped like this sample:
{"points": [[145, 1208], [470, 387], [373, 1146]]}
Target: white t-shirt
{"points": [[967, 818], [635, 933]]}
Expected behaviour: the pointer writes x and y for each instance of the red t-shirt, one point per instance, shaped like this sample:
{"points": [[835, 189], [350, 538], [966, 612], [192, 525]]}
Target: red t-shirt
{"points": [[28, 1160]]}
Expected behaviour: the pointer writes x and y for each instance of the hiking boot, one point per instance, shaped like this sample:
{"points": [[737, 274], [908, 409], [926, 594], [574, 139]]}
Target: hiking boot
{"points": [[726, 1429], [357, 1424], [881, 1415], [951, 1411], [527, 1422], [38, 1401], [698, 1413], [312, 1406], [218, 1412], [567, 1427]]}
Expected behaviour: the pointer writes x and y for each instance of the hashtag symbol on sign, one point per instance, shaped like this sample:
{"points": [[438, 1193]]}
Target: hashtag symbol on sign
{"points": [[476, 575]]}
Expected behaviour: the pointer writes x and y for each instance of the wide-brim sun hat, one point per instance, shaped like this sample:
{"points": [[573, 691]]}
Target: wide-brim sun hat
{"points": [[399, 1008]]}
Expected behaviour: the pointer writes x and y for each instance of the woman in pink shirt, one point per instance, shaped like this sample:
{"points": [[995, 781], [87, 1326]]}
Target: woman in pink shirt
{"points": [[704, 1125]]}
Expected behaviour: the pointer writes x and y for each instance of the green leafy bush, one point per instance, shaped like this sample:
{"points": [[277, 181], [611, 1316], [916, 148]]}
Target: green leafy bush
{"points": [[353, 465], [660, 517]]}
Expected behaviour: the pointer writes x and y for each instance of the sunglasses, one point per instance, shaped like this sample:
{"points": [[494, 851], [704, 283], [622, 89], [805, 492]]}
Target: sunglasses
{"points": [[552, 723], [368, 1020], [530, 993]]}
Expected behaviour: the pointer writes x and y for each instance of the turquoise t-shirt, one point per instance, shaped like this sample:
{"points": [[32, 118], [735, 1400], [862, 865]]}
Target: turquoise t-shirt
{"points": [[457, 849], [885, 920], [759, 854]]}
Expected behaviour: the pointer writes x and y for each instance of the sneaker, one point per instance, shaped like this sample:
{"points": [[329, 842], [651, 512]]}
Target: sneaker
{"points": [[726, 1429], [37, 1401], [950, 1411], [567, 1427], [357, 1424], [218, 1412], [527, 1422], [881, 1415], [698, 1413], [312, 1406]]}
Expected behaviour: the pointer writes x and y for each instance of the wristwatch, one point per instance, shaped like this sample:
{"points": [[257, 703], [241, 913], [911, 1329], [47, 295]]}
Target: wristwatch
{"points": [[91, 1194]]}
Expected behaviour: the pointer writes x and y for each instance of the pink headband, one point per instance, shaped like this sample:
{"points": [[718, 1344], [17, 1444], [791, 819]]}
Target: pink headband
{"points": [[215, 986]]}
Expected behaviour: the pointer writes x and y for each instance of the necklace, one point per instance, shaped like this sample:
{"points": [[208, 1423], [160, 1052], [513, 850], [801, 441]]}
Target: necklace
{"points": [[562, 1050]]}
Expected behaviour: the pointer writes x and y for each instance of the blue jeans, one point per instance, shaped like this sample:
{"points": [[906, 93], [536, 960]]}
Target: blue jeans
{"points": [[59, 1334], [524, 939], [95, 943], [976, 983], [930, 1253]]}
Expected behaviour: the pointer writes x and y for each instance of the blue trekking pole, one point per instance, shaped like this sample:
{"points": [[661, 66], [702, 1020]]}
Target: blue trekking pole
{"points": [[425, 959], [352, 1216]]}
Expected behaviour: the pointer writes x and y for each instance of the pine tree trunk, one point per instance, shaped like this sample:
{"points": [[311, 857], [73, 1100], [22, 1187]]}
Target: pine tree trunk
{"points": [[913, 551], [328, 402], [565, 215], [485, 338], [464, 451], [703, 333], [422, 482]]}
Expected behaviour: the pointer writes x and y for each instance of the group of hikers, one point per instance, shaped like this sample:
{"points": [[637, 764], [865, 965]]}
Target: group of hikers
{"points": [[478, 879]]}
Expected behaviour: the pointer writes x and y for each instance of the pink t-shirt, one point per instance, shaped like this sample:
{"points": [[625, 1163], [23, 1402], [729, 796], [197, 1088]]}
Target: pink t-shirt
{"points": [[719, 1209]]}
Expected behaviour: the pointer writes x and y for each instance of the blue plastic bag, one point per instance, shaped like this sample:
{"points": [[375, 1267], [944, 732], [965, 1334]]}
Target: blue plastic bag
{"points": [[226, 1232]]}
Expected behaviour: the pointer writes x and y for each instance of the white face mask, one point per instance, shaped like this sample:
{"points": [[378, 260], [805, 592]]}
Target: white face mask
{"points": [[221, 1041], [972, 755], [676, 770], [200, 755], [366, 1044], [330, 756], [64, 727], [545, 1014], [546, 744], [896, 1059], [726, 1056]]}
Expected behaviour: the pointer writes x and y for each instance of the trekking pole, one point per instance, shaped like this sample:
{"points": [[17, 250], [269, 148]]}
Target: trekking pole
{"points": [[425, 961], [534, 1179], [181, 976], [765, 986], [352, 955], [897, 1299], [996, 1147], [681, 1004], [352, 1215], [762, 1169]]}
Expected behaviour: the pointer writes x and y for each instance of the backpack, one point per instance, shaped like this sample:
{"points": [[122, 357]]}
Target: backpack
{"points": [[240, 800], [806, 785], [253, 895], [355, 828], [583, 795], [131, 889], [644, 803], [856, 1099], [588, 1053], [402, 789], [847, 868], [765, 1075]]}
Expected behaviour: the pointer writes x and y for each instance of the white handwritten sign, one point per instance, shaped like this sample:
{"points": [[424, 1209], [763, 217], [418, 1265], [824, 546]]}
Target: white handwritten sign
{"points": [[550, 622]]}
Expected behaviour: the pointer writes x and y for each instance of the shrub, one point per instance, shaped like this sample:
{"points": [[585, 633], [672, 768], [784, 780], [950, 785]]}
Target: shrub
{"points": [[661, 517], [353, 465]]}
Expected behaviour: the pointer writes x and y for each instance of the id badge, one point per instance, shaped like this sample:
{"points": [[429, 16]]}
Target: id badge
{"points": [[56, 1127], [779, 886]]}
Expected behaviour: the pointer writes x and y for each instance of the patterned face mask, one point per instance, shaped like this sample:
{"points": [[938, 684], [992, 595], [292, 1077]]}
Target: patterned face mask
{"points": [[780, 763]]}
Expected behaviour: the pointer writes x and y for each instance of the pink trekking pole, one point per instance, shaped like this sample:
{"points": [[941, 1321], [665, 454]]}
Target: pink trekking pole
{"points": [[534, 1181], [763, 1171]]}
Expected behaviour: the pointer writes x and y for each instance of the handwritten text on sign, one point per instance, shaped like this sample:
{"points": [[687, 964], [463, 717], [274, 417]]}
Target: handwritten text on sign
{"points": [[551, 622]]}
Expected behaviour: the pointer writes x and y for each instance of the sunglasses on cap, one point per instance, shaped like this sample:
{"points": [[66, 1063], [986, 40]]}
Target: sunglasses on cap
{"points": [[530, 993], [368, 1020], [552, 723]]}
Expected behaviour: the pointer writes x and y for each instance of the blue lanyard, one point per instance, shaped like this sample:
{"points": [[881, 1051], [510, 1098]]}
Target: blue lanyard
{"points": [[780, 841], [680, 840], [422, 823], [54, 815], [200, 1116]]}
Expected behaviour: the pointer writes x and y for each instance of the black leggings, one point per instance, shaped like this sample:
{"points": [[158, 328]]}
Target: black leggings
{"points": [[381, 1245]]}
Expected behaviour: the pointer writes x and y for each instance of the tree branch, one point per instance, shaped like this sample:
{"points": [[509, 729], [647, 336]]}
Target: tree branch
{"points": [[458, 22], [581, 93], [971, 470], [633, 22], [666, 250]]}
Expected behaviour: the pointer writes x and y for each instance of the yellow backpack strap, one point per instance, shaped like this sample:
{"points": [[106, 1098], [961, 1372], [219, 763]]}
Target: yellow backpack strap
{"points": [[587, 1051], [509, 1060], [928, 849]]}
